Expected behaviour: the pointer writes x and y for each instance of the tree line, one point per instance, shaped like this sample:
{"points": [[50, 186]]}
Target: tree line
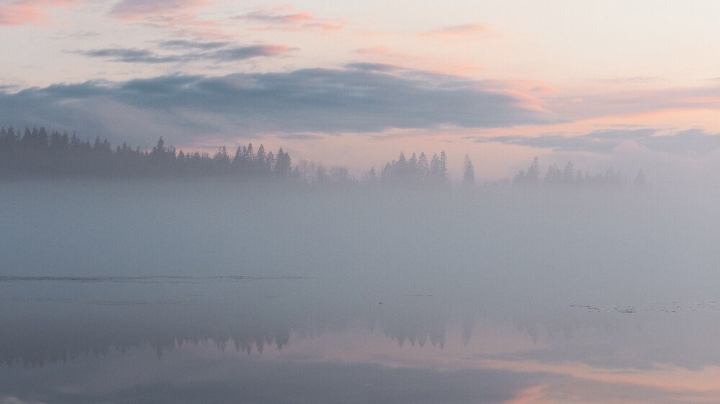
{"points": [[570, 177], [413, 172], [37, 153]]}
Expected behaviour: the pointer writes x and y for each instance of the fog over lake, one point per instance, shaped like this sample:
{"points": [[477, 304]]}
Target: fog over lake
{"points": [[199, 291], [354, 202]]}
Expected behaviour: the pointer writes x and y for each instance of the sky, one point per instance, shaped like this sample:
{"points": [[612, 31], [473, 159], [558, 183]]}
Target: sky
{"points": [[624, 84]]}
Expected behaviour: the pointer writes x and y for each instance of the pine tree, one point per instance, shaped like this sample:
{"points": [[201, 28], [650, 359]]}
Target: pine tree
{"points": [[532, 176], [283, 165], [468, 172], [423, 168], [260, 159]]}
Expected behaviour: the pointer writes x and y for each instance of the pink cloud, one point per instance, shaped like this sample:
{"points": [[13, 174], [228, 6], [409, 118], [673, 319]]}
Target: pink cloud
{"points": [[288, 20], [456, 31], [637, 103], [21, 12], [530, 395], [174, 14], [137, 9]]}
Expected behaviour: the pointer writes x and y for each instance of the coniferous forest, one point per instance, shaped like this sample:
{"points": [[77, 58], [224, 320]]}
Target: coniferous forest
{"points": [[38, 153]]}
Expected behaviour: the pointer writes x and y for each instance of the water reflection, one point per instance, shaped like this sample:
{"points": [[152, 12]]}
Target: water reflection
{"points": [[291, 340], [135, 293]]}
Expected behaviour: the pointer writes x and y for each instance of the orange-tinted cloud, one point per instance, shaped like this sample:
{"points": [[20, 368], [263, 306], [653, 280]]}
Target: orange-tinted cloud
{"points": [[544, 90], [289, 18], [21, 12], [637, 103]]}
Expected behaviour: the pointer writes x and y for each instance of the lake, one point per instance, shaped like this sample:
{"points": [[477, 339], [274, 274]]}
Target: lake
{"points": [[128, 292]]}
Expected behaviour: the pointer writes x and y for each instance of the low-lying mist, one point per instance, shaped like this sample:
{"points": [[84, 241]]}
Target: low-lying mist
{"points": [[507, 246], [88, 265]]}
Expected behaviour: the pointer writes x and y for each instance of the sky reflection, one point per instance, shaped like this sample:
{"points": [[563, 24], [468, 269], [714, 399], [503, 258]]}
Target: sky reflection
{"points": [[409, 349]]}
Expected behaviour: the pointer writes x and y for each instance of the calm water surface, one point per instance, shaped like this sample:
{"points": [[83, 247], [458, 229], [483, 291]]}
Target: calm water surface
{"points": [[290, 340], [200, 293]]}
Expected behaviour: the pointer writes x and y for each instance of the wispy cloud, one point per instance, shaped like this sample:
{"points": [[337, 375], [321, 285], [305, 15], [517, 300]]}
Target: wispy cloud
{"points": [[372, 67], [183, 16], [214, 51], [354, 99], [21, 12], [694, 141], [279, 18], [187, 44], [284, 19], [632, 103], [248, 52], [129, 55], [135, 9]]}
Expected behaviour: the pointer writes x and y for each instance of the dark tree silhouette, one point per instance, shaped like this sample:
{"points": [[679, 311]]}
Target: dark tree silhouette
{"points": [[283, 164], [37, 153]]}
